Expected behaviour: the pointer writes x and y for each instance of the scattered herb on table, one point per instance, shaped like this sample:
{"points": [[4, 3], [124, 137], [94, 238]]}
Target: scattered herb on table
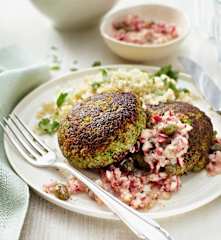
{"points": [[55, 60], [73, 69], [96, 64], [54, 48], [55, 66]]}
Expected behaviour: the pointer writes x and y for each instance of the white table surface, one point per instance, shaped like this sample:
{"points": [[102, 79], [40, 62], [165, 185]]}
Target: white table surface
{"points": [[22, 25]]}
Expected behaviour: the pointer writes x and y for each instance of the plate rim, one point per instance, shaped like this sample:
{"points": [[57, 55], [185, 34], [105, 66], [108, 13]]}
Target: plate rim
{"points": [[81, 210]]}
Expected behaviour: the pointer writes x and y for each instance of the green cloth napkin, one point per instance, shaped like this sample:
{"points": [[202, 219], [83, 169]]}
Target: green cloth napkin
{"points": [[16, 80]]}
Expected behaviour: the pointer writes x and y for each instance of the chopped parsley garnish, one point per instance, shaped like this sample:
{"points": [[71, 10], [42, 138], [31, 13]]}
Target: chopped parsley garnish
{"points": [[48, 126], [167, 70], [61, 98], [96, 64]]}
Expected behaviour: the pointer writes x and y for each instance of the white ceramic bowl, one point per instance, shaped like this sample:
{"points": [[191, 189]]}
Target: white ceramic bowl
{"points": [[67, 14], [155, 12]]}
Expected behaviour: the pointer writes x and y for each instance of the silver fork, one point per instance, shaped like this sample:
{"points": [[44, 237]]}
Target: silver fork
{"points": [[38, 154]]}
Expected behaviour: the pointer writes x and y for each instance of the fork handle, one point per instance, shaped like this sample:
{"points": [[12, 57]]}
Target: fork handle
{"points": [[143, 226]]}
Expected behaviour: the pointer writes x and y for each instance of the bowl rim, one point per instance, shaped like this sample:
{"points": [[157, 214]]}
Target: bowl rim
{"points": [[180, 38]]}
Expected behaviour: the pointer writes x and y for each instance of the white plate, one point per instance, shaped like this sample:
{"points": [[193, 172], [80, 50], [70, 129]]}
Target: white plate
{"points": [[197, 189]]}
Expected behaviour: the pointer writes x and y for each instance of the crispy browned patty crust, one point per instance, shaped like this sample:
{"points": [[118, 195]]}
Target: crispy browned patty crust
{"points": [[101, 129], [200, 137]]}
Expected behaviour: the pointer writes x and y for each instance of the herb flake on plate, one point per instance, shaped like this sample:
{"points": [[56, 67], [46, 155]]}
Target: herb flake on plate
{"points": [[104, 72], [48, 126], [61, 99], [95, 86], [185, 90]]}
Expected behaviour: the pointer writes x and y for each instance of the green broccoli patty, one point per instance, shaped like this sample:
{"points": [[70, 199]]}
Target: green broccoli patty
{"points": [[101, 129], [200, 137]]}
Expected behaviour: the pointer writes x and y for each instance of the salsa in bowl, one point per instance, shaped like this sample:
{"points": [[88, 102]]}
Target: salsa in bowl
{"points": [[145, 32]]}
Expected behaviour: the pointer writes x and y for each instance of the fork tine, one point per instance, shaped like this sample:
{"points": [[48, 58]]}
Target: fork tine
{"points": [[17, 144], [26, 136], [34, 137], [24, 144]]}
